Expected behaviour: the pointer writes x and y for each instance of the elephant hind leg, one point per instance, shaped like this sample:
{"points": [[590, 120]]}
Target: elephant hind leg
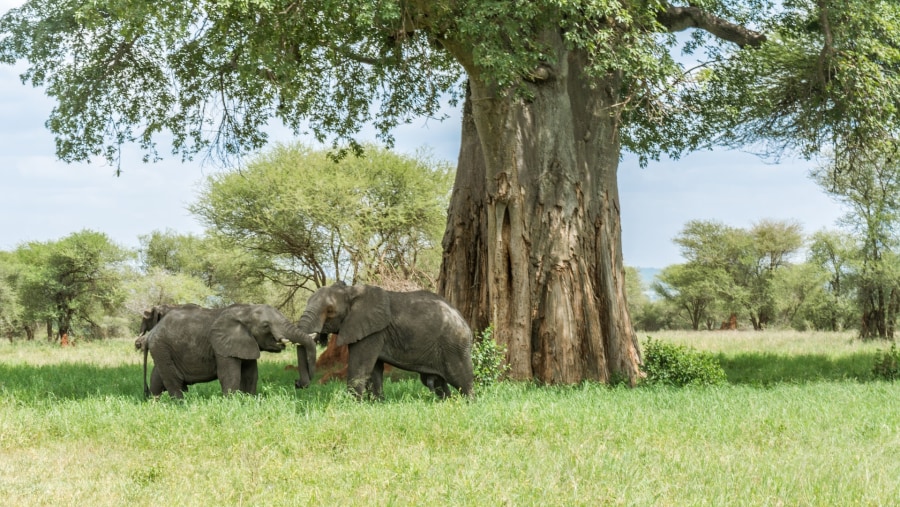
{"points": [[465, 384], [436, 384], [176, 389], [166, 375], [156, 383]]}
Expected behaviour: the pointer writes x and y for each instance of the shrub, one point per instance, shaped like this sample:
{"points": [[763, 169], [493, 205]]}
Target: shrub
{"points": [[677, 365], [488, 359], [887, 364]]}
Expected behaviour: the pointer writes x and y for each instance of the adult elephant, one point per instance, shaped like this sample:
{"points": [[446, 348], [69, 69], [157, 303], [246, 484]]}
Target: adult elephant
{"points": [[193, 345], [416, 331]]}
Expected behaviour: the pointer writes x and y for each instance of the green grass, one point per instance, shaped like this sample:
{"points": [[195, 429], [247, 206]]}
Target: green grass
{"points": [[765, 358], [74, 430]]}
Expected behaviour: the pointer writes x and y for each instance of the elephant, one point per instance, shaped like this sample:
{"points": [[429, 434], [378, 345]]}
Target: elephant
{"points": [[149, 320], [194, 344], [415, 331]]}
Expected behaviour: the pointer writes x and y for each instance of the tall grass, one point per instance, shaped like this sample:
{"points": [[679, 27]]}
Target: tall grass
{"points": [[75, 430]]}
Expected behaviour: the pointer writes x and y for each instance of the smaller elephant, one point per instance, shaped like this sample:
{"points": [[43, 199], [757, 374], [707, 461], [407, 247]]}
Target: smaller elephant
{"points": [[149, 320], [192, 345], [415, 331]]}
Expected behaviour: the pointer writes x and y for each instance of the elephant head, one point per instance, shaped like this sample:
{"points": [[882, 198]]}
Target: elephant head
{"points": [[149, 319], [242, 331], [353, 312]]}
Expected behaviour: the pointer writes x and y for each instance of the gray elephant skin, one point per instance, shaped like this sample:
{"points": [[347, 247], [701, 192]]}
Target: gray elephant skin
{"points": [[149, 319], [415, 331], [191, 345]]}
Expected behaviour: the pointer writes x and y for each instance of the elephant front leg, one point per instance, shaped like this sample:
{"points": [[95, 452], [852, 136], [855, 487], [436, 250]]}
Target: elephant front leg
{"points": [[303, 368], [361, 359], [229, 370], [249, 376], [376, 381]]}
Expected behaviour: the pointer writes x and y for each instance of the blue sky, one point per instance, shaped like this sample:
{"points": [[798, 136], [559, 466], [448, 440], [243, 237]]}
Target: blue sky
{"points": [[43, 199]]}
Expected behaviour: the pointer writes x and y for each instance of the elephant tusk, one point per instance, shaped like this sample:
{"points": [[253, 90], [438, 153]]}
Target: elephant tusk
{"points": [[285, 341]]}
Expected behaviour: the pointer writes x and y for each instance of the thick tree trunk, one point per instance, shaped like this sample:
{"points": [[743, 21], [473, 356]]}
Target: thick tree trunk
{"points": [[463, 279], [533, 238]]}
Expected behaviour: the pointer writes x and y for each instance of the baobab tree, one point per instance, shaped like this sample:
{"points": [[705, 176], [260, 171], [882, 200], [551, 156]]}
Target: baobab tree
{"points": [[553, 92]]}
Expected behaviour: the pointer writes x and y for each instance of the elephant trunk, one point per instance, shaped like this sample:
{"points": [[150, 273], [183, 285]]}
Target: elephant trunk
{"points": [[306, 355], [311, 321]]}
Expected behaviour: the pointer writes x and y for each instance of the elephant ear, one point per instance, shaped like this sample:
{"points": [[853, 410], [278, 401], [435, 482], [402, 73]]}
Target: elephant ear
{"points": [[229, 337], [370, 312]]}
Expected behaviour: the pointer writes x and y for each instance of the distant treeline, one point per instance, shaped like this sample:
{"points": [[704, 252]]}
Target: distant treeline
{"points": [[289, 221]]}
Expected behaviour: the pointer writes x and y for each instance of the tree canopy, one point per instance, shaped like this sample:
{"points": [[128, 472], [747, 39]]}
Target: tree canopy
{"points": [[729, 269], [73, 281], [868, 183], [212, 75], [305, 220]]}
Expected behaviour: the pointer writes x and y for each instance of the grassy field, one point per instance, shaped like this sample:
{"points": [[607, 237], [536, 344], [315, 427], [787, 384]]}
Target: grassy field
{"points": [[801, 422]]}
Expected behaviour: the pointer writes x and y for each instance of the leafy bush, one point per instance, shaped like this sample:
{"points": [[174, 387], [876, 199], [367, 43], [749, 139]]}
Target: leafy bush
{"points": [[677, 365], [488, 359], [887, 364]]}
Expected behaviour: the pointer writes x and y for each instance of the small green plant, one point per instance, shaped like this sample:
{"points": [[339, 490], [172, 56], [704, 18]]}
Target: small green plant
{"points": [[887, 364], [488, 359], [677, 365]]}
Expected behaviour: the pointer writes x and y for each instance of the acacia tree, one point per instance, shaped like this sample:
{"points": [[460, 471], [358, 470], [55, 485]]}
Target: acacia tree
{"points": [[835, 253], [229, 273], [175, 253], [74, 280], [735, 265], [304, 219], [868, 183], [10, 309], [772, 244], [556, 89], [693, 289]]}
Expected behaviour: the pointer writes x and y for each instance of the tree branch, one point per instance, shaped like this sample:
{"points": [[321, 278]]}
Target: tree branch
{"points": [[366, 60], [676, 19]]}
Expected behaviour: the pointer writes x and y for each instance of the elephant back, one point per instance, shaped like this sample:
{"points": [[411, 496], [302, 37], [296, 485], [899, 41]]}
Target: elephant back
{"points": [[187, 324], [426, 313]]}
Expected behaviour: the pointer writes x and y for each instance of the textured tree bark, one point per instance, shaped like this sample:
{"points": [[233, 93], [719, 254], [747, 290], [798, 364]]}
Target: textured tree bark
{"points": [[533, 236]]}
